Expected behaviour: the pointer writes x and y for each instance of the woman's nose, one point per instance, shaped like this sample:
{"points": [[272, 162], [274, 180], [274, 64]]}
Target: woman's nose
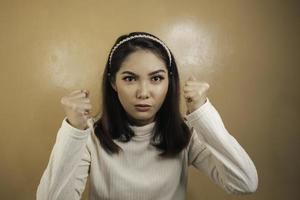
{"points": [[143, 91]]}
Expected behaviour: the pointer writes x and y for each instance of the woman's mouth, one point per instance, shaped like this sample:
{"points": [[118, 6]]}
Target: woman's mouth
{"points": [[142, 108]]}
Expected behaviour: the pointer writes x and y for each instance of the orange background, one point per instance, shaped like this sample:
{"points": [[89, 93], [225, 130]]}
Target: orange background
{"points": [[248, 51]]}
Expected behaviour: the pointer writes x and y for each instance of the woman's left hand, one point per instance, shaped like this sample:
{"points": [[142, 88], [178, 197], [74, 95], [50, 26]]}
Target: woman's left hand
{"points": [[195, 93]]}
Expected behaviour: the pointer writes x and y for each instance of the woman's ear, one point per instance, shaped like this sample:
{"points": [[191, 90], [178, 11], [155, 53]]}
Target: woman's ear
{"points": [[113, 85]]}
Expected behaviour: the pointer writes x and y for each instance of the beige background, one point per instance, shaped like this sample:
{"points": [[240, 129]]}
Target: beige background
{"points": [[248, 51]]}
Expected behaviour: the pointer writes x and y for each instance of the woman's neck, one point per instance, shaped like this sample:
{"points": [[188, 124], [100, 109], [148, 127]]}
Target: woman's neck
{"points": [[135, 122]]}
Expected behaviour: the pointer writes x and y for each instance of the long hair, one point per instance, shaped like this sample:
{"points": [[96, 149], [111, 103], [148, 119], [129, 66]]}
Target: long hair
{"points": [[171, 134]]}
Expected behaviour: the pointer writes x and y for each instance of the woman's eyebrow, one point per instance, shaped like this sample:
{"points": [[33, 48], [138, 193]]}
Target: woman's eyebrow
{"points": [[151, 73]]}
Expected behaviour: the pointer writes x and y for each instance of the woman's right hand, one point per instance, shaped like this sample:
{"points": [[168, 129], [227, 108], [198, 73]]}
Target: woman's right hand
{"points": [[77, 107]]}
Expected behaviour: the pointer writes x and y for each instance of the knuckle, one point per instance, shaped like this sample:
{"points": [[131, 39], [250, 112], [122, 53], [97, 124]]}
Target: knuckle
{"points": [[65, 101], [205, 86], [73, 106], [62, 100]]}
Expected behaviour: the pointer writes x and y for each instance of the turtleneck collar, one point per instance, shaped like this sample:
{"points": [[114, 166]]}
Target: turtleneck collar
{"points": [[143, 131]]}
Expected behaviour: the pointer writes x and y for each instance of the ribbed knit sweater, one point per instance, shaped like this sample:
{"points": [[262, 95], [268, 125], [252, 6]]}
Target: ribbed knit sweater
{"points": [[139, 173]]}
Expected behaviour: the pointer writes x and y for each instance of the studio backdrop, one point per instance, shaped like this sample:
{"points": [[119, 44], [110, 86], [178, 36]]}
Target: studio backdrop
{"points": [[248, 51]]}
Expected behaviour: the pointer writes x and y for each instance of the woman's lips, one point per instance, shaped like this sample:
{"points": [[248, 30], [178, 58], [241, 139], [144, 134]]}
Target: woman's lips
{"points": [[142, 108]]}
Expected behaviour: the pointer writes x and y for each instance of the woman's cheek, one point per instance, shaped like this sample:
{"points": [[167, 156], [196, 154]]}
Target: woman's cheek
{"points": [[160, 93]]}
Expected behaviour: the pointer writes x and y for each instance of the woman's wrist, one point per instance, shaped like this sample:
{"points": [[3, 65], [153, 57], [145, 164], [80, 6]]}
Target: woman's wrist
{"points": [[78, 127]]}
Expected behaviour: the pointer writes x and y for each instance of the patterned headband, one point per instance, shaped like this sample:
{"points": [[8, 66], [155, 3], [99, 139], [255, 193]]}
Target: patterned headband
{"points": [[140, 36]]}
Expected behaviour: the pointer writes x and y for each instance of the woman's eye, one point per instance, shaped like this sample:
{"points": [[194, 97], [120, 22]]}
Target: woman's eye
{"points": [[158, 78], [128, 78], [155, 78]]}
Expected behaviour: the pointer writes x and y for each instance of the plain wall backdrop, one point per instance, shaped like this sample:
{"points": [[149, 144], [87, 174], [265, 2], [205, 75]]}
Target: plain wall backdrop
{"points": [[248, 51]]}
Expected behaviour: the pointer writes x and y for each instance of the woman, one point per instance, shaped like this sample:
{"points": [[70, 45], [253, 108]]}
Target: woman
{"points": [[141, 147]]}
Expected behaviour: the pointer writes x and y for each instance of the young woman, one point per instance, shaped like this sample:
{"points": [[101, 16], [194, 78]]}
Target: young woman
{"points": [[141, 147]]}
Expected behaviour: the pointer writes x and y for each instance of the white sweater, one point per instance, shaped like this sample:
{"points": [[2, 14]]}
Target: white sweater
{"points": [[138, 173]]}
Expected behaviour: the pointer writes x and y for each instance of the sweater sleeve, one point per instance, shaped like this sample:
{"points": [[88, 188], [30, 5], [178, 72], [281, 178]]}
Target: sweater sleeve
{"points": [[215, 152], [68, 167]]}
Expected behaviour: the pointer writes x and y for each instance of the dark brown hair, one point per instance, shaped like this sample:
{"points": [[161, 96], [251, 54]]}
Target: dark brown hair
{"points": [[171, 134]]}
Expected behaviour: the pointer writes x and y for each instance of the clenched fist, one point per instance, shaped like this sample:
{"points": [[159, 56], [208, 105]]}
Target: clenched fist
{"points": [[195, 93], [77, 107]]}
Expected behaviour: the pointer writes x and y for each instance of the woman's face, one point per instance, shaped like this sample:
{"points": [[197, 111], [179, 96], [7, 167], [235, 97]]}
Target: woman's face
{"points": [[141, 79]]}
